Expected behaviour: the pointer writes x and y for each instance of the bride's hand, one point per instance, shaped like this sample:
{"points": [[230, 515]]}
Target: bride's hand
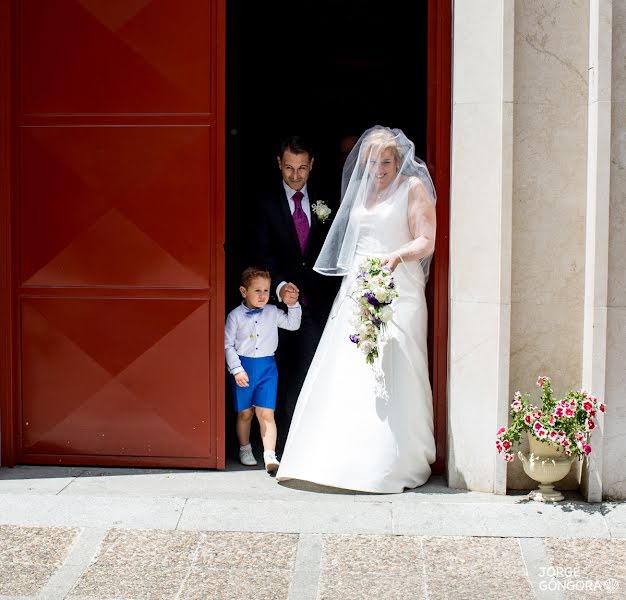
{"points": [[391, 262]]}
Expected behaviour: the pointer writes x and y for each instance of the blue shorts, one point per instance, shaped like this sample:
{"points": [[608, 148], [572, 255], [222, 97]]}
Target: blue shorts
{"points": [[261, 390]]}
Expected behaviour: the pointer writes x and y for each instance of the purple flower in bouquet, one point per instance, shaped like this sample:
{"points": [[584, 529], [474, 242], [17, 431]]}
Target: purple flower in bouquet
{"points": [[371, 299]]}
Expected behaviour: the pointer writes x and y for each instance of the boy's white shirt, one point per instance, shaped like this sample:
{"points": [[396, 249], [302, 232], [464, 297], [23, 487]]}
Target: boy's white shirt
{"points": [[256, 335]]}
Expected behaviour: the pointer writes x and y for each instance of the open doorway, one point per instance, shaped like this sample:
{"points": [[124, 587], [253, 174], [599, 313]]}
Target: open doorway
{"points": [[320, 69]]}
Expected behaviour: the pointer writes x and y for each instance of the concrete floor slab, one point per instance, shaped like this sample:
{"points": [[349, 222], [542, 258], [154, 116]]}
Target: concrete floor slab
{"points": [[287, 517], [530, 519], [615, 516], [79, 511], [37, 480]]}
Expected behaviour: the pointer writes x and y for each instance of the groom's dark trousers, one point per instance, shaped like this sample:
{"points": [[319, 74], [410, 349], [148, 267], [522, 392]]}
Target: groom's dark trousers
{"points": [[278, 250]]}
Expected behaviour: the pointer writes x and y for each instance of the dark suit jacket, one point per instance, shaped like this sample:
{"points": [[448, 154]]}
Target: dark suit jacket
{"points": [[279, 250]]}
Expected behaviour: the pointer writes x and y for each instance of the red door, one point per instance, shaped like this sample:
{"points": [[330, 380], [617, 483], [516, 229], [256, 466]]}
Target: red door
{"points": [[118, 219]]}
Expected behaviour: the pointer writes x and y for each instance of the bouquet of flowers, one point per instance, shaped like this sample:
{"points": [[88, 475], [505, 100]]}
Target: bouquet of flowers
{"points": [[566, 424], [374, 290]]}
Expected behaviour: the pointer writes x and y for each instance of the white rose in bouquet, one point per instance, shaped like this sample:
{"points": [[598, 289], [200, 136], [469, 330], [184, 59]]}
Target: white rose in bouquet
{"points": [[386, 314]]}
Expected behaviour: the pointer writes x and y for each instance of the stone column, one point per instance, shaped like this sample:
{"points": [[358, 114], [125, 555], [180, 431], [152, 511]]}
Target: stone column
{"points": [[480, 241], [597, 230], [614, 463]]}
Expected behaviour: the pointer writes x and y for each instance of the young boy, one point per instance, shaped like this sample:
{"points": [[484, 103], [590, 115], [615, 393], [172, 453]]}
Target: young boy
{"points": [[250, 340]]}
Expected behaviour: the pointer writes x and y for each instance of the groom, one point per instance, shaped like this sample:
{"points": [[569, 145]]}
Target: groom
{"points": [[290, 235]]}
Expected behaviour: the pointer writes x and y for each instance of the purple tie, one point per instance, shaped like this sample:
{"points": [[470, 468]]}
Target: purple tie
{"points": [[300, 221]]}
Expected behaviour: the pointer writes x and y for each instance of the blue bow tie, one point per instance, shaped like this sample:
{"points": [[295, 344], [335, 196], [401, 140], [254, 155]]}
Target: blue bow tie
{"points": [[254, 312]]}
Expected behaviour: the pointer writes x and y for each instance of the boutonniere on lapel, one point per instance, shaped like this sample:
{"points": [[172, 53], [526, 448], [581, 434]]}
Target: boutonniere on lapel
{"points": [[321, 210]]}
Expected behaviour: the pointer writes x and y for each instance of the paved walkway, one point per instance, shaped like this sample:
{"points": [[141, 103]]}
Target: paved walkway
{"points": [[85, 533]]}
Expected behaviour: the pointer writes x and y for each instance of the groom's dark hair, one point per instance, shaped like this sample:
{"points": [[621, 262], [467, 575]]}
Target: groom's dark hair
{"points": [[297, 145], [251, 273]]}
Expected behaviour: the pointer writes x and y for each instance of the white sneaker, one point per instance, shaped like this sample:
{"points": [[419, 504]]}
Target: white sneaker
{"points": [[246, 457], [271, 462]]}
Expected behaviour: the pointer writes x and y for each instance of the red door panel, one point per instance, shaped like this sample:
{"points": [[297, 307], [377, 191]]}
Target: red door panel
{"points": [[119, 219], [121, 206], [116, 56], [115, 377]]}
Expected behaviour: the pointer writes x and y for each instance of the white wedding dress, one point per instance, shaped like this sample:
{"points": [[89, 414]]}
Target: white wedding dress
{"points": [[345, 433]]}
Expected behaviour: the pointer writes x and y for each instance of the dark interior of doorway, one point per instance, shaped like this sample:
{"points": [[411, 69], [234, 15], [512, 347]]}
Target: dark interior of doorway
{"points": [[318, 68]]}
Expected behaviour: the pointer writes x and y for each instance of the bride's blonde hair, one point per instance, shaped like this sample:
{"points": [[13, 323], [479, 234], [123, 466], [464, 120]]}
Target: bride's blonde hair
{"points": [[378, 141]]}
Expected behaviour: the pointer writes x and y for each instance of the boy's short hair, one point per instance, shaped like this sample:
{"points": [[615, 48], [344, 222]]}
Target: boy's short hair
{"points": [[251, 273]]}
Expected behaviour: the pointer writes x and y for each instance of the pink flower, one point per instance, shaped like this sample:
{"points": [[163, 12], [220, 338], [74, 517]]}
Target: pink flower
{"points": [[592, 399], [566, 443], [552, 420], [601, 407], [592, 413], [579, 435], [587, 406], [542, 433], [506, 444], [558, 411], [569, 412], [587, 449], [500, 431], [527, 419], [553, 434], [498, 446], [516, 406], [589, 425], [537, 426], [541, 380], [508, 457]]}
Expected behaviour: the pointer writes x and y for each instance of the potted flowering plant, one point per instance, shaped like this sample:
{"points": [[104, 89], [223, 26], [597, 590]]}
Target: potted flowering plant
{"points": [[566, 424], [558, 432]]}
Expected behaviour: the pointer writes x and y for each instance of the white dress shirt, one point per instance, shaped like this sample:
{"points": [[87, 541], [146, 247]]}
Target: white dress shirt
{"points": [[256, 334], [306, 207]]}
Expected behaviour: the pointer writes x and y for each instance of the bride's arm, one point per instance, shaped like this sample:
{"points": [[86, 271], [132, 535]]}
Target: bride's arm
{"points": [[422, 224]]}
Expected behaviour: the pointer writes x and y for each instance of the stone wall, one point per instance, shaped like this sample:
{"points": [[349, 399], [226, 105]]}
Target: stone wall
{"points": [[549, 199]]}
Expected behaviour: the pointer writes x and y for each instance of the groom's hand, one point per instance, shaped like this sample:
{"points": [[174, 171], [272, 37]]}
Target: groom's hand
{"points": [[289, 293], [290, 304]]}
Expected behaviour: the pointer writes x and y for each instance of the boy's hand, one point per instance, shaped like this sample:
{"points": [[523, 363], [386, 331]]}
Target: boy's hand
{"points": [[241, 379]]}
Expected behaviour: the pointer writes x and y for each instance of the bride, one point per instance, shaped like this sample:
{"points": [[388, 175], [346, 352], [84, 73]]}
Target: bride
{"points": [[359, 426]]}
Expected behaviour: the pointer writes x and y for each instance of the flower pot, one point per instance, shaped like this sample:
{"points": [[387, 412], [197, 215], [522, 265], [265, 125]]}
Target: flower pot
{"points": [[546, 464]]}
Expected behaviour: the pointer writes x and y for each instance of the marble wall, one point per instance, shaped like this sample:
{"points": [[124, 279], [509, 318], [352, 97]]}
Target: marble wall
{"points": [[614, 464], [549, 199], [535, 287]]}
